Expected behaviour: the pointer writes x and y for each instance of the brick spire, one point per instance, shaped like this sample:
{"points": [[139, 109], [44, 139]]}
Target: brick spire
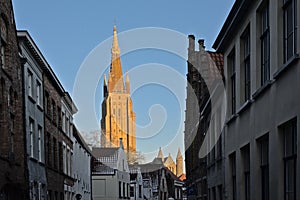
{"points": [[116, 82]]}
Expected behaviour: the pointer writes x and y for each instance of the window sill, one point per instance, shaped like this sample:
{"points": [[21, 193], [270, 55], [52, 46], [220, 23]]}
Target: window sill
{"points": [[40, 108], [42, 163], [262, 89], [33, 159], [286, 65], [244, 106], [31, 99], [231, 119]]}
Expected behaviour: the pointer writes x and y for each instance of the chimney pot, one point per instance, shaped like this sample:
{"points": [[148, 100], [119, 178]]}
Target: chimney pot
{"points": [[201, 44]]}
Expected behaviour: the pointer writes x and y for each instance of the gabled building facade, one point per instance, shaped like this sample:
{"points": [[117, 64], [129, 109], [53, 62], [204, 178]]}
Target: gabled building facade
{"points": [[82, 187], [110, 173], [34, 115]]}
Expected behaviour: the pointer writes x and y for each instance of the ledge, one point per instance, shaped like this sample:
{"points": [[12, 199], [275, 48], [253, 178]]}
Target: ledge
{"points": [[31, 99], [231, 118], [293, 59], [33, 159], [40, 108], [262, 89], [244, 106]]}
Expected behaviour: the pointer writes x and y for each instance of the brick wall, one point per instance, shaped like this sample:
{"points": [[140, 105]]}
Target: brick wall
{"points": [[13, 172]]}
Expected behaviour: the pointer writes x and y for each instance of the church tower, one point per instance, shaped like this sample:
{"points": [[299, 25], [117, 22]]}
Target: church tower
{"points": [[118, 118], [179, 164]]}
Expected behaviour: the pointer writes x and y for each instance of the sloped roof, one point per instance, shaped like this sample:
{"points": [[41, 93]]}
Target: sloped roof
{"points": [[148, 167], [102, 169], [218, 59], [157, 161], [105, 152]]}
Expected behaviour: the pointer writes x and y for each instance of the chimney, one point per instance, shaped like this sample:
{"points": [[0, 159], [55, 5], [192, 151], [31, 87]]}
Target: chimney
{"points": [[201, 44], [191, 42]]}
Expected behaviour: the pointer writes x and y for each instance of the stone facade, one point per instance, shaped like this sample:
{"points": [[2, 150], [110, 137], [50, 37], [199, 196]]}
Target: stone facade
{"points": [[260, 43], [175, 167], [118, 118], [34, 115], [13, 173]]}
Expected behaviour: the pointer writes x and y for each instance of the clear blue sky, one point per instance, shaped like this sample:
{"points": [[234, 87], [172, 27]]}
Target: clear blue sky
{"points": [[67, 31]]}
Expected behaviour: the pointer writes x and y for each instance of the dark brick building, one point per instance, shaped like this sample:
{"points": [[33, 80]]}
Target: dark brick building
{"points": [[58, 137], [204, 70], [13, 172]]}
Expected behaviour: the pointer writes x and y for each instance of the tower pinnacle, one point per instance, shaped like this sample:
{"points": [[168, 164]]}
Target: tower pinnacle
{"points": [[115, 82]]}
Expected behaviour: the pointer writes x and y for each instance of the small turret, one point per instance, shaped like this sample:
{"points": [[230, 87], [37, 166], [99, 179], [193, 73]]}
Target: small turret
{"points": [[179, 164], [127, 83], [160, 154]]}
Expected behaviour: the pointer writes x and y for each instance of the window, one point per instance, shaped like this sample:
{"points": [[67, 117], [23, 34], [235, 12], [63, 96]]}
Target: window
{"points": [[46, 99], [124, 191], [290, 154], [120, 189], [265, 45], [65, 159], [49, 149], [31, 136], [67, 126], [264, 166], [55, 153], [3, 42], [63, 122], [53, 111], [40, 136], [60, 156], [140, 191], [38, 93], [131, 191], [220, 192], [289, 31], [231, 67], [246, 64], [71, 163], [233, 175], [59, 117], [11, 136], [2, 54], [246, 160], [30, 83]]}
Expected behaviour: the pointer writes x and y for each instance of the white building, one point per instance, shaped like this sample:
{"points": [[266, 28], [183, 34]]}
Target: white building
{"points": [[110, 174], [81, 167]]}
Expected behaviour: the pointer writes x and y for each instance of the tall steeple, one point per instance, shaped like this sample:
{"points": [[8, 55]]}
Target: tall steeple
{"points": [[179, 164], [115, 82], [160, 154], [118, 117]]}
